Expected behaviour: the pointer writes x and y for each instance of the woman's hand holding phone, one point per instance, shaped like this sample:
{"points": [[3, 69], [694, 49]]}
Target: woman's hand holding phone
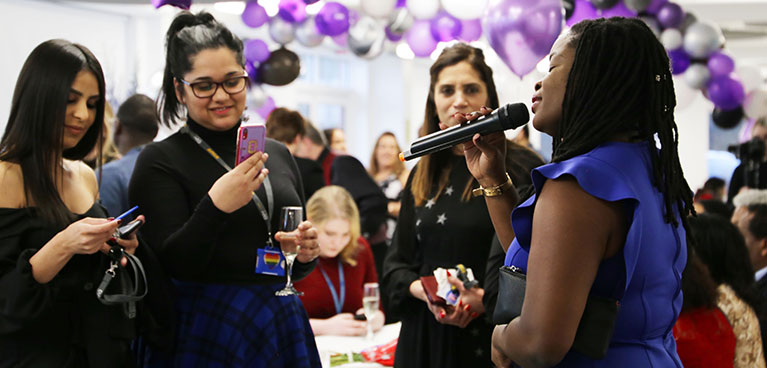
{"points": [[235, 189]]}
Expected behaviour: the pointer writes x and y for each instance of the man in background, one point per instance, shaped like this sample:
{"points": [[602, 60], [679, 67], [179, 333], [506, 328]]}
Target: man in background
{"points": [[136, 124], [758, 159]]}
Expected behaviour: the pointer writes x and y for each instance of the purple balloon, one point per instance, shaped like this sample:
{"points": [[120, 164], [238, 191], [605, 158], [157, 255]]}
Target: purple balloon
{"points": [[720, 64], [445, 27], [392, 36], [292, 11], [670, 15], [308, 2], [680, 61], [655, 6], [582, 9], [254, 15], [725, 92], [420, 39], [266, 108], [401, 3], [471, 30], [619, 10], [341, 40], [522, 31], [333, 19], [256, 51], [252, 71], [183, 4]]}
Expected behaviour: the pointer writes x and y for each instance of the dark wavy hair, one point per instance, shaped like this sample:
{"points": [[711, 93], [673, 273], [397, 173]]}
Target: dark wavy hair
{"points": [[720, 245], [620, 82], [187, 35], [435, 168], [34, 134]]}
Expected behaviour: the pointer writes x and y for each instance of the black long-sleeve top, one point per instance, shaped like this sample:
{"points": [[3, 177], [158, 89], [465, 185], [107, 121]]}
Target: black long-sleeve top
{"points": [[195, 240]]}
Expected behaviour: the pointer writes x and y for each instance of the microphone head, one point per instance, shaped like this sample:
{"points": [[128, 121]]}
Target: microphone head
{"points": [[513, 115]]}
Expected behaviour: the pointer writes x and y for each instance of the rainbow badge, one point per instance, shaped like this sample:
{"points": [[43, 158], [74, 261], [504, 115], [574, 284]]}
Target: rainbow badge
{"points": [[270, 262]]}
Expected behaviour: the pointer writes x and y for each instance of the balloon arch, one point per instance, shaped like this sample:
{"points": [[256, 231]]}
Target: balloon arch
{"points": [[520, 31]]}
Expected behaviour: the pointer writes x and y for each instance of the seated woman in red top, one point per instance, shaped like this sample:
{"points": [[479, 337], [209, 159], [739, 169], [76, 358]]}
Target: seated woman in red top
{"points": [[333, 291]]}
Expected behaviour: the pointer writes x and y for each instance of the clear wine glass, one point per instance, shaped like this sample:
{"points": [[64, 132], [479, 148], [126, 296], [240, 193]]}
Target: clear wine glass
{"points": [[290, 217], [371, 297]]}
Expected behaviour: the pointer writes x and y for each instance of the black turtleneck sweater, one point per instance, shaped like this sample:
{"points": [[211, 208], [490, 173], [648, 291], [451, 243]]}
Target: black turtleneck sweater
{"points": [[194, 239]]}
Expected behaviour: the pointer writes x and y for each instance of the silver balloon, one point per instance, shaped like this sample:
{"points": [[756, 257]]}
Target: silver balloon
{"points": [[281, 31], [307, 34], [399, 22], [703, 38], [366, 38], [637, 5], [652, 23], [697, 75], [671, 38]]}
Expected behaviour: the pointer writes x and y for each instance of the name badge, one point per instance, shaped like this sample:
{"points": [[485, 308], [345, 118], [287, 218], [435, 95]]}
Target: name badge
{"points": [[270, 262]]}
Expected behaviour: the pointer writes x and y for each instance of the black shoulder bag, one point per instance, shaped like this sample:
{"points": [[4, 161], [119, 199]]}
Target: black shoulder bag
{"points": [[595, 329]]}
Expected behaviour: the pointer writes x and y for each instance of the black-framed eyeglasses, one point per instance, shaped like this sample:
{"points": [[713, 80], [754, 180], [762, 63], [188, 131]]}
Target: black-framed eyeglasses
{"points": [[205, 89]]}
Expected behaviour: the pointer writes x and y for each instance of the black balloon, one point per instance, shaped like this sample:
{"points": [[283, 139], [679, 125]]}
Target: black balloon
{"points": [[604, 4], [727, 119], [281, 68], [569, 6]]}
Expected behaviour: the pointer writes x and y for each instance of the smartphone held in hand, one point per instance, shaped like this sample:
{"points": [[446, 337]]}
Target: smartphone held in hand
{"points": [[250, 139]]}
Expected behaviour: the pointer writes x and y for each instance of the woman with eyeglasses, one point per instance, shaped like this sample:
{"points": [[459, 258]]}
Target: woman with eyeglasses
{"points": [[211, 222]]}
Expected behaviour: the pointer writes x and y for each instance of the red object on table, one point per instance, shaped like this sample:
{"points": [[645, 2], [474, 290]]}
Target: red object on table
{"points": [[381, 354]]}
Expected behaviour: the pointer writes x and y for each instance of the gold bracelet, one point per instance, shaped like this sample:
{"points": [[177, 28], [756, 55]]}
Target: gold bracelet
{"points": [[493, 191]]}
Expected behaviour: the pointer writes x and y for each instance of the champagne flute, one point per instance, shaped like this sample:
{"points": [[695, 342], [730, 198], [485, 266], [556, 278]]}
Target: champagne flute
{"points": [[290, 217], [371, 297]]}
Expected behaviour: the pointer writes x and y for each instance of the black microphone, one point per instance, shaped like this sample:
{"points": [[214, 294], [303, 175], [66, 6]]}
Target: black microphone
{"points": [[509, 116]]}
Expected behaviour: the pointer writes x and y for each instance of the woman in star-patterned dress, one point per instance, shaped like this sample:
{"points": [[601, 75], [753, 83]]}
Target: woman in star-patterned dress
{"points": [[441, 225]]}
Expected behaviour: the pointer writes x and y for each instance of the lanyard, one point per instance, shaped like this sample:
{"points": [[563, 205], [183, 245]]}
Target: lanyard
{"points": [[266, 215], [339, 302]]}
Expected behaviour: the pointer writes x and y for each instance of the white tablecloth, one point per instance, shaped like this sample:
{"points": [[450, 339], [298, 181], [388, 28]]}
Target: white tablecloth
{"points": [[328, 345]]}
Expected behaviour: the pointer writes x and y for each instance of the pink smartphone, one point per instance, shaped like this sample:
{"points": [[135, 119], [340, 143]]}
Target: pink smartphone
{"points": [[250, 139]]}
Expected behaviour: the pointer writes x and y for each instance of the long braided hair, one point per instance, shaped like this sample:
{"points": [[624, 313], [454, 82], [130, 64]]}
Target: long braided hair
{"points": [[620, 82]]}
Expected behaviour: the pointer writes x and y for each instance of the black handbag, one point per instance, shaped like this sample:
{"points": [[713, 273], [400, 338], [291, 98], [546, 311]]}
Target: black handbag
{"points": [[595, 329]]}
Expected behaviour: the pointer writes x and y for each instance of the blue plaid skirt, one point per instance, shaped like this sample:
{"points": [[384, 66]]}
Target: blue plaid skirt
{"points": [[238, 326]]}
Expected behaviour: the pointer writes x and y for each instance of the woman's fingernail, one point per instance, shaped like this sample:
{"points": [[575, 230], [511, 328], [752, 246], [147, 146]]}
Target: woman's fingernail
{"points": [[467, 307], [110, 218], [448, 273], [460, 303], [474, 314], [442, 314]]}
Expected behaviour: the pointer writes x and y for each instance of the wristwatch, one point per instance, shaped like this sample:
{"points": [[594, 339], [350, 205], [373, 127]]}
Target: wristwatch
{"points": [[493, 191]]}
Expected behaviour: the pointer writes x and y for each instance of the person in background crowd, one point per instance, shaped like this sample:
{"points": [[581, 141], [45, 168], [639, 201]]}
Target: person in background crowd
{"points": [[737, 181], [609, 214], [288, 126], [108, 150], [390, 174], [136, 125], [703, 335], [212, 221], [333, 291], [441, 225], [53, 233], [750, 217], [336, 139], [713, 188]]}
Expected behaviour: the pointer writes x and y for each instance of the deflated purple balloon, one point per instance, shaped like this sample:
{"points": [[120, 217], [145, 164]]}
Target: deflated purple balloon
{"points": [[471, 30], [619, 10], [522, 31], [445, 27], [420, 39], [252, 72], [670, 15], [680, 61], [582, 9], [308, 2], [292, 11], [256, 51], [183, 4], [720, 64], [341, 40], [266, 108], [333, 19], [254, 15], [725, 92], [391, 35]]}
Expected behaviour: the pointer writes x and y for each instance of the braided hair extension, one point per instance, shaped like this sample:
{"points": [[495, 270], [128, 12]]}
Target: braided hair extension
{"points": [[620, 82]]}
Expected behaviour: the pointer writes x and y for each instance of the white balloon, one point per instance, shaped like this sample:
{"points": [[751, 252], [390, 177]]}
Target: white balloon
{"points": [[750, 76], [423, 9], [697, 75], [465, 9], [684, 94], [378, 8], [671, 39], [755, 105]]}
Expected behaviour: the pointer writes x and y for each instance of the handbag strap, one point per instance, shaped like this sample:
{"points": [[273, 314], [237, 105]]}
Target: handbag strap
{"points": [[130, 292]]}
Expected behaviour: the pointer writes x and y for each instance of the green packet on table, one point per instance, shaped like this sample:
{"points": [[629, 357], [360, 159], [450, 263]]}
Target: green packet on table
{"points": [[337, 359]]}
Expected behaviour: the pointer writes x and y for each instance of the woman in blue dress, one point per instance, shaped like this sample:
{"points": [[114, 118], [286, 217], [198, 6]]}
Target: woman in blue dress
{"points": [[608, 215]]}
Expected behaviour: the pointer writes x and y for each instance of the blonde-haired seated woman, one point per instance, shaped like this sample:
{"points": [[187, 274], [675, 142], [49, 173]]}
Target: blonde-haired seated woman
{"points": [[333, 291]]}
